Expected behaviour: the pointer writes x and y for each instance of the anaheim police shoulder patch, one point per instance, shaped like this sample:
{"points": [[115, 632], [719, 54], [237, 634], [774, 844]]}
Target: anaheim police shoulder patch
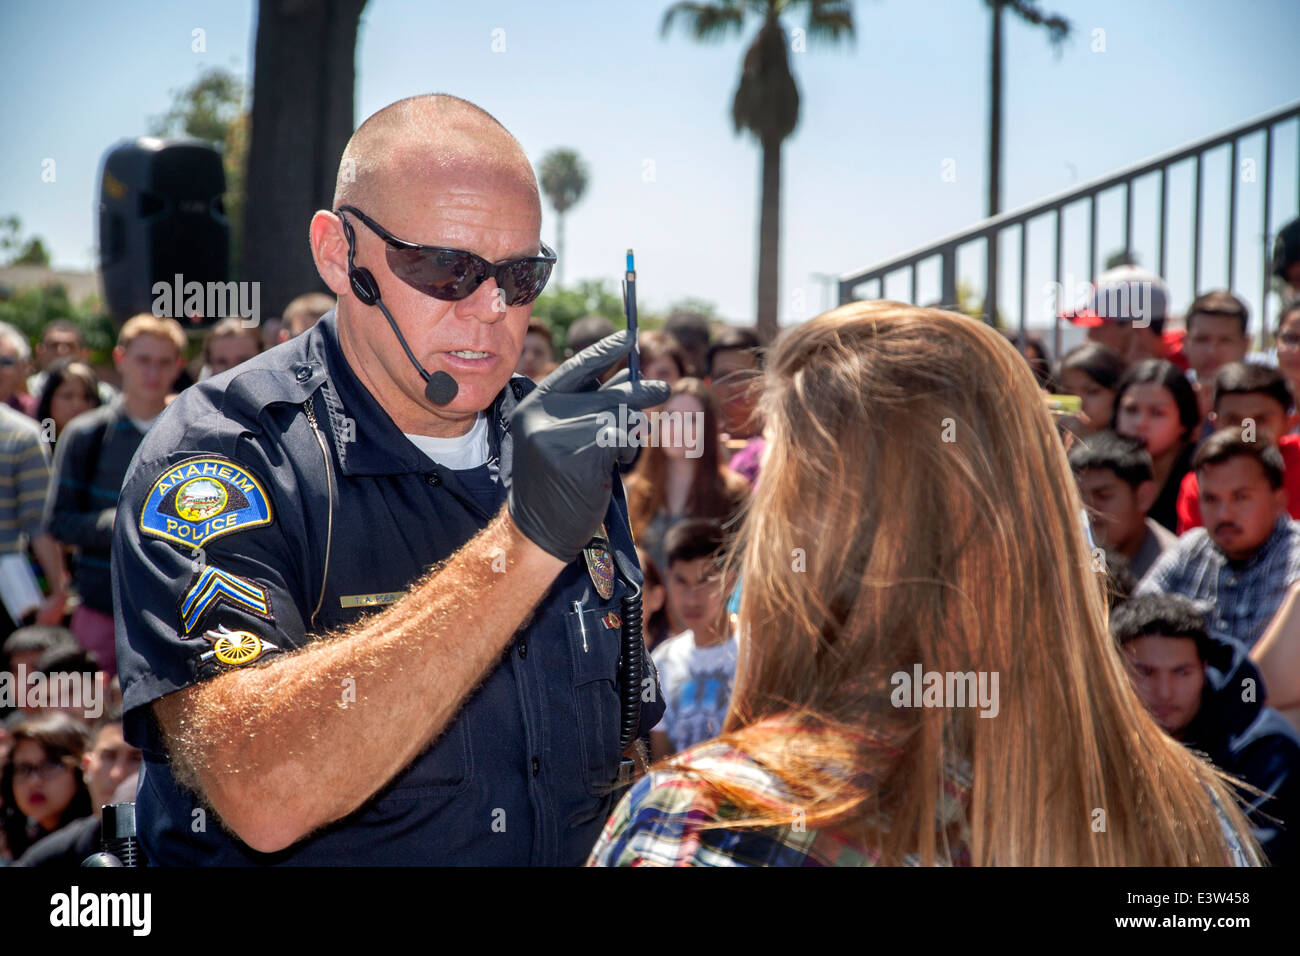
{"points": [[203, 498]]}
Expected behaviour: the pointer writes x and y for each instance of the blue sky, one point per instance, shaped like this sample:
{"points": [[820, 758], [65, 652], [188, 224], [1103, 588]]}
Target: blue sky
{"points": [[862, 175]]}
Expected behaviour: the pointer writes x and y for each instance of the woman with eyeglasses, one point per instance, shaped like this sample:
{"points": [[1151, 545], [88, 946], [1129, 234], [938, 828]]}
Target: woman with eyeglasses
{"points": [[41, 788], [917, 521]]}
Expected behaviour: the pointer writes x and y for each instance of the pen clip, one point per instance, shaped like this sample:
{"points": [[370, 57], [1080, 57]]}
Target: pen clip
{"points": [[582, 625]]}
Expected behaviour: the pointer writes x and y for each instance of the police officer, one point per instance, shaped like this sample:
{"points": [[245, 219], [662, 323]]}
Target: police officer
{"points": [[368, 584]]}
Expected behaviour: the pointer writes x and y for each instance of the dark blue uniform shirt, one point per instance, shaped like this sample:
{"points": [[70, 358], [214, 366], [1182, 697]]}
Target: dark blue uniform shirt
{"points": [[228, 552]]}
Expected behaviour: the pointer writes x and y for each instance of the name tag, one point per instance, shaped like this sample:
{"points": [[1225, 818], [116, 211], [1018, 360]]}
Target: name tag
{"points": [[370, 600]]}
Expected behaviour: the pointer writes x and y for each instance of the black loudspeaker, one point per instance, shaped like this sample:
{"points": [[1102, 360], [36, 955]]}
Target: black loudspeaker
{"points": [[161, 217]]}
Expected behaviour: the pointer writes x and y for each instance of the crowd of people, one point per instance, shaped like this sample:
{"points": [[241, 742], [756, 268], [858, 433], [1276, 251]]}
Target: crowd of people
{"points": [[67, 435], [1184, 450]]}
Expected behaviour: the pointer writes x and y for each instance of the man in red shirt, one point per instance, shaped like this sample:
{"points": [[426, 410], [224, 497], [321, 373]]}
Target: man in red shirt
{"points": [[1256, 400]]}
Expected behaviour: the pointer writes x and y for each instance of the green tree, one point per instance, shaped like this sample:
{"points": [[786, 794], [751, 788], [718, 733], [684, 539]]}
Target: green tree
{"points": [[701, 307], [33, 254], [16, 251], [559, 308], [564, 179], [766, 102], [205, 109], [970, 303], [212, 109], [11, 228], [31, 309]]}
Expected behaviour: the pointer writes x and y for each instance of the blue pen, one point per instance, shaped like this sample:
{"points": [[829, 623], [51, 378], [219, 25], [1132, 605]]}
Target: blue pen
{"points": [[629, 309]]}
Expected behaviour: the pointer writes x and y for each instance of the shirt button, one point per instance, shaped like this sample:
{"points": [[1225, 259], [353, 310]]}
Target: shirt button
{"points": [[523, 649], [433, 479], [304, 373], [537, 766]]}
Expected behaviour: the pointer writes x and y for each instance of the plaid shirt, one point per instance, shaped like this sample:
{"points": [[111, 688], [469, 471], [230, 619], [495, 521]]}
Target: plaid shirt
{"points": [[659, 822], [1242, 596]]}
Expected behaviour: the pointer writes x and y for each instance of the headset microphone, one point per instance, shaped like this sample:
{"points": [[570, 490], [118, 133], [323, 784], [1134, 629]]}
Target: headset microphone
{"points": [[439, 388]]}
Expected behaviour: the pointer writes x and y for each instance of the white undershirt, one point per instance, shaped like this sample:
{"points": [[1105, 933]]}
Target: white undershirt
{"points": [[465, 451], [144, 424]]}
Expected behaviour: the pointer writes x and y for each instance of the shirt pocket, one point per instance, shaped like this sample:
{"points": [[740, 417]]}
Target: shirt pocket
{"points": [[444, 769], [594, 650]]}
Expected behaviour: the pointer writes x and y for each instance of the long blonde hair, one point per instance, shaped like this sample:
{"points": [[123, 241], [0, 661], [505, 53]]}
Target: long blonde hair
{"points": [[917, 507]]}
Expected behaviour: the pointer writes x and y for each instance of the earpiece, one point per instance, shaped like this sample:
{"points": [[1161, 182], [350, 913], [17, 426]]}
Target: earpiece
{"points": [[364, 286]]}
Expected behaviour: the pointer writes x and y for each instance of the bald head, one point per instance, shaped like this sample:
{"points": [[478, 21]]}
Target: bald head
{"points": [[421, 142]]}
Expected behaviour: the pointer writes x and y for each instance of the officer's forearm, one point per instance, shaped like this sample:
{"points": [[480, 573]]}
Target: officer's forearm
{"points": [[281, 750]]}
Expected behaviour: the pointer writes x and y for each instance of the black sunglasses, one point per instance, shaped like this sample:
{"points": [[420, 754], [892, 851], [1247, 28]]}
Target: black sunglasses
{"points": [[453, 274]]}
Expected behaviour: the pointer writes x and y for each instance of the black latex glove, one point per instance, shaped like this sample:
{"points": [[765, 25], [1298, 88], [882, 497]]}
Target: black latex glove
{"points": [[559, 476]]}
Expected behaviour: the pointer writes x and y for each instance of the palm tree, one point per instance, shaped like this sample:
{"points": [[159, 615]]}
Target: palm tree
{"points": [[564, 180], [766, 103], [1058, 28]]}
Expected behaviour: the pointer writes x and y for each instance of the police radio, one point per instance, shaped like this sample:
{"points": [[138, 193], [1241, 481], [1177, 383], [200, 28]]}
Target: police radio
{"points": [[631, 658], [119, 843]]}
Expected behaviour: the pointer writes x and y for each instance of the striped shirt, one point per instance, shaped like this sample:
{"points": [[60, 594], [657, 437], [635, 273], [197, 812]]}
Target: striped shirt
{"points": [[24, 479], [1242, 596]]}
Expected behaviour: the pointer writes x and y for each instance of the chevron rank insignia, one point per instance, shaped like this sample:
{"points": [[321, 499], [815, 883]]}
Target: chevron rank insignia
{"points": [[203, 498], [212, 586]]}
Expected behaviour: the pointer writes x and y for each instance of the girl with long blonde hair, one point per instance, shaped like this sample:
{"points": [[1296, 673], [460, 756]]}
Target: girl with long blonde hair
{"points": [[926, 673]]}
